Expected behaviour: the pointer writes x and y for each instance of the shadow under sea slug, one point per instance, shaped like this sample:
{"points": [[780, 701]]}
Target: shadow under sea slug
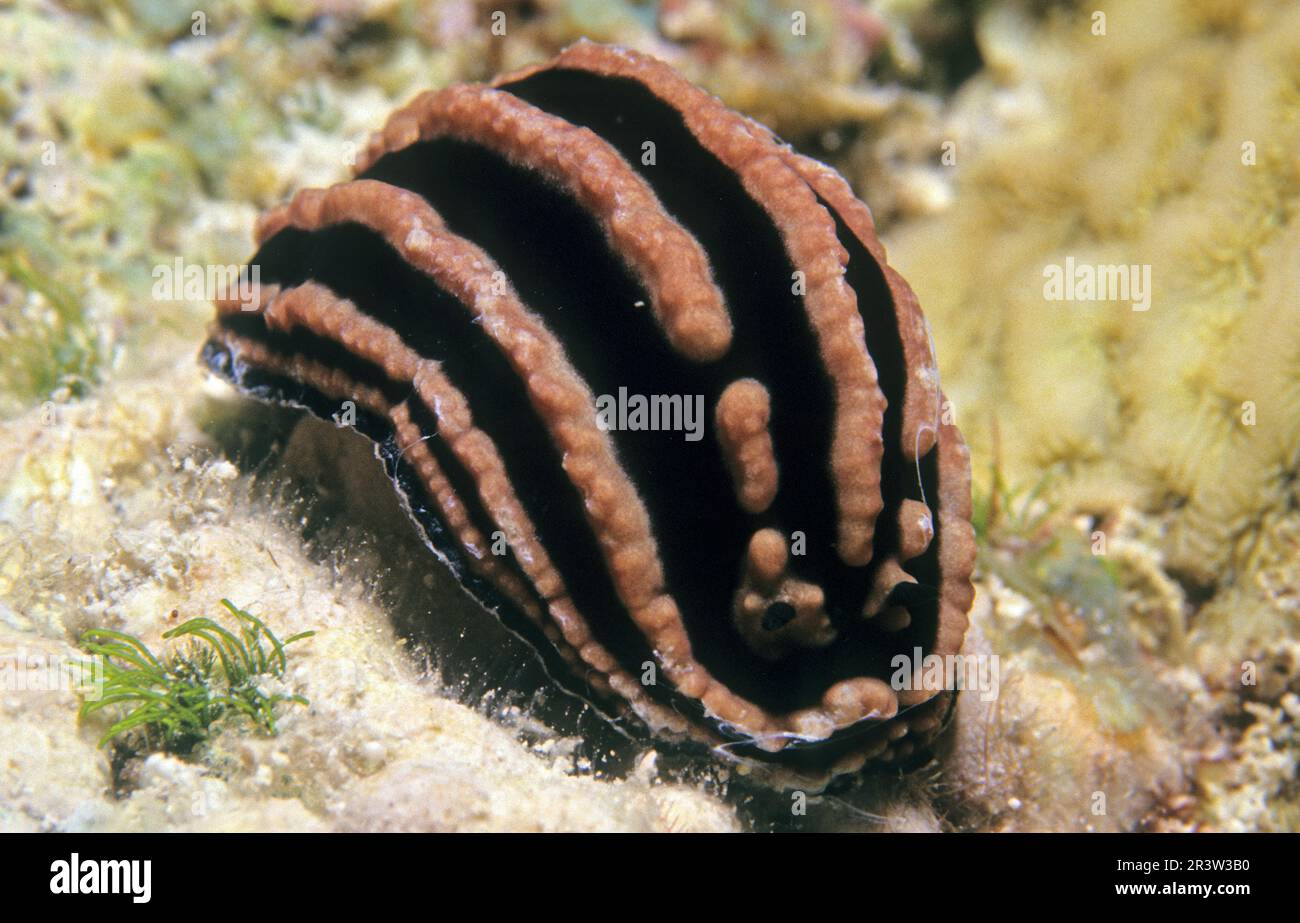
{"points": [[645, 381]]}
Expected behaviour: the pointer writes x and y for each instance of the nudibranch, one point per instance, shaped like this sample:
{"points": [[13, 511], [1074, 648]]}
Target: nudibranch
{"points": [[647, 384]]}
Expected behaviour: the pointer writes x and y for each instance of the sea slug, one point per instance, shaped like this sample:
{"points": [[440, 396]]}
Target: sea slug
{"points": [[646, 382]]}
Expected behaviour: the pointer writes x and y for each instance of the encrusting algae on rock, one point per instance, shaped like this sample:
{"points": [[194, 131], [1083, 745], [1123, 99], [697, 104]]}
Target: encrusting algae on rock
{"points": [[1168, 143], [1187, 408], [381, 737]]}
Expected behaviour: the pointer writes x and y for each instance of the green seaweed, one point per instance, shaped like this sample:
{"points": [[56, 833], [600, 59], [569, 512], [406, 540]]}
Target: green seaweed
{"points": [[172, 703]]}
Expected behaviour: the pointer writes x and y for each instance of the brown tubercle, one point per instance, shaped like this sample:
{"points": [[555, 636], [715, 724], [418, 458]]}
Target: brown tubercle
{"points": [[743, 413]]}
